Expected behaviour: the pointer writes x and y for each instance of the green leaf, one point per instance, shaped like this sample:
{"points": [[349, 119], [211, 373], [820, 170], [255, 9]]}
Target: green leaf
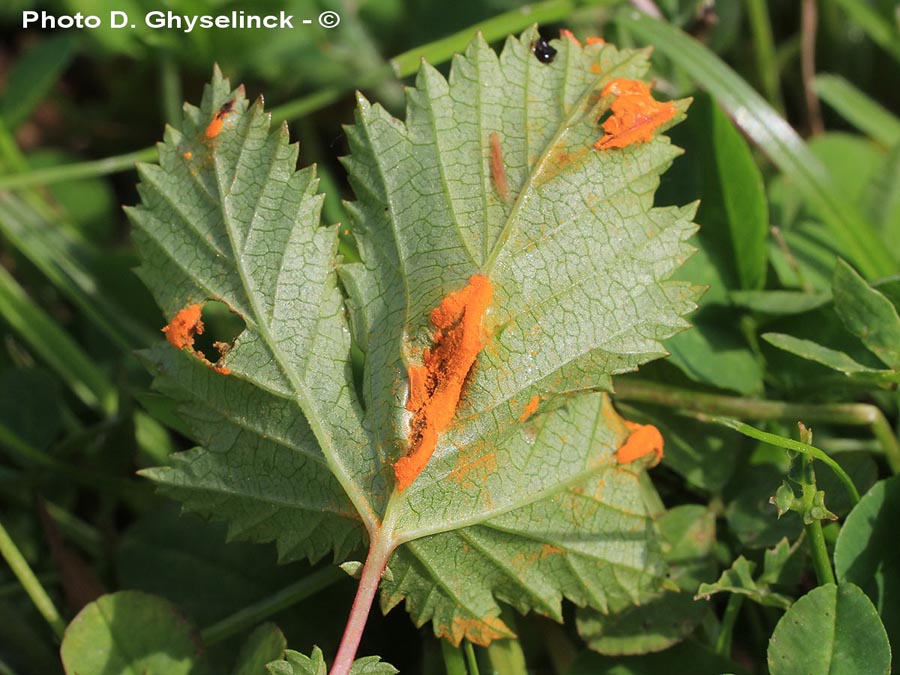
{"points": [[866, 553], [856, 107], [184, 560], [527, 509], [264, 645], [688, 533], [832, 358], [867, 314], [733, 206], [779, 302], [295, 663], [739, 579], [131, 633], [686, 658], [831, 629]]}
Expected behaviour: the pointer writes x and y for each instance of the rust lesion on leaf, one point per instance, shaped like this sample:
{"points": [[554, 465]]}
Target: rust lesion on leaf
{"points": [[530, 408], [478, 631], [186, 324], [644, 440], [498, 168], [636, 115], [435, 387], [215, 126], [475, 463]]}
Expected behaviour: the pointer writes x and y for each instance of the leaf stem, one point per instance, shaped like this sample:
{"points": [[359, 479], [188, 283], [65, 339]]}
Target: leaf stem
{"points": [[471, 660], [454, 662], [30, 583], [75, 170], [380, 549], [726, 632], [791, 444], [852, 414], [821, 561], [282, 599]]}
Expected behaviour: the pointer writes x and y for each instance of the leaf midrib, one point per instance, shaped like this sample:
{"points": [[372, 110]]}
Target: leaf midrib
{"points": [[568, 122], [304, 401]]}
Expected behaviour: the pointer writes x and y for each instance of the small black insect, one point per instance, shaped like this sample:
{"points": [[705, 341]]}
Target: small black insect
{"points": [[542, 50]]}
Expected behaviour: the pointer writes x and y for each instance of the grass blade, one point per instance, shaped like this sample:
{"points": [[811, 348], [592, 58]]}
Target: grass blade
{"points": [[865, 113], [876, 27], [54, 346], [756, 118]]}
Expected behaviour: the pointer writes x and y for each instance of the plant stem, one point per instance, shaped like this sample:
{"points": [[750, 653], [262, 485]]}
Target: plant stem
{"points": [[810, 24], [471, 660], [454, 662], [30, 583], [286, 597], [791, 444], [170, 89], [726, 632], [853, 414], [380, 550], [817, 548], [99, 167]]}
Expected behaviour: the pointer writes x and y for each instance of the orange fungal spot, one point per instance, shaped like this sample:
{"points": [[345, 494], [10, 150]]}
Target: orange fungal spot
{"points": [[595, 41], [181, 330], [498, 169], [530, 408], [435, 387], [636, 114], [188, 156], [569, 35], [215, 126], [644, 440], [596, 69]]}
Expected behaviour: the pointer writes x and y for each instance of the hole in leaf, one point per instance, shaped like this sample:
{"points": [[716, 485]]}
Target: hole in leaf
{"points": [[220, 328]]}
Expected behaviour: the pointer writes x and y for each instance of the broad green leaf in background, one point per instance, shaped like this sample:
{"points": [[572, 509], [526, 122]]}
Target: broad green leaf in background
{"points": [[866, 552], [867, 313], [529, 509], [688, 533], [131, 633], [264, 645], [733, 206], [686, 658], [832, 358], [831, 629]]}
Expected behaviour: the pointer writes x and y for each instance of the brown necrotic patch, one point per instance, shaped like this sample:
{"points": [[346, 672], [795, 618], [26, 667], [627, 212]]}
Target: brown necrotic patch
{"points": [[435, 387]]}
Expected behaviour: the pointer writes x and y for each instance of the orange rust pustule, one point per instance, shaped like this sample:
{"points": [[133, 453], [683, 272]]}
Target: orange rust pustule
{"points": [[644, 439], [498, 169], [569, 35], [181, 330], [436, 386], [636, 114], [530, 408], [215, 126]]}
